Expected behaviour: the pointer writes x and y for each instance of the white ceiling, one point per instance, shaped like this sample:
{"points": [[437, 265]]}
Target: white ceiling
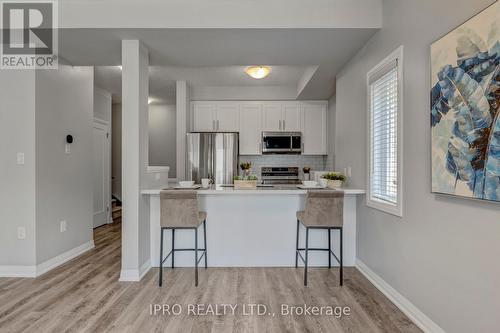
{"points": [[217, 57], [162, 79]]}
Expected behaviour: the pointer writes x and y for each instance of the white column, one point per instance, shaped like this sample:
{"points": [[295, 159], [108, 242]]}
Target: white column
{"points": [[183, 125], [135, 216]]}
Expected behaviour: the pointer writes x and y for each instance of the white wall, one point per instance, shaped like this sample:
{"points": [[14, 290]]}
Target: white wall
{"points": [[162, 136], [116, 151], [102, 104], [443, 254], [330, 159], [221, 14], [64, 105], [17, 189], [243, 93], [182, 125]]}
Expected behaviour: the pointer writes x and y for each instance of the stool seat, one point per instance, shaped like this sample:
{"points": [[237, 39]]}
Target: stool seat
{"points": [[300, 215], [179, 210], [323, 211]]}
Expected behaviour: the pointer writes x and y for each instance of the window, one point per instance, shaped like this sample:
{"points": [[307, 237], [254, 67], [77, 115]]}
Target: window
{"points": [[385, 83]]}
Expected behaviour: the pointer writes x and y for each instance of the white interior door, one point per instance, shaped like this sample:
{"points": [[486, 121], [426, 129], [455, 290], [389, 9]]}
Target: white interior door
{"points": [[101, 173]]}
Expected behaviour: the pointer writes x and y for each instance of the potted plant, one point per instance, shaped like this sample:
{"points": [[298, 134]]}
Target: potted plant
{"points": [[335, 179]]}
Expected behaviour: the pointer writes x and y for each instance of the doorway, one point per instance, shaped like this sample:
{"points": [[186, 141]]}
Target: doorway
{"points": [[101, 158]]}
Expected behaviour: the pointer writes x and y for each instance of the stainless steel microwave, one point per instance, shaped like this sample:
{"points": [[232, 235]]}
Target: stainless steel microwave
{"points": [[281, 142]]}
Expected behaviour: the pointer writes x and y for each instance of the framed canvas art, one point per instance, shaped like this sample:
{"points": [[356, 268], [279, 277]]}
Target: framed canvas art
{"points": [[465, 116]]}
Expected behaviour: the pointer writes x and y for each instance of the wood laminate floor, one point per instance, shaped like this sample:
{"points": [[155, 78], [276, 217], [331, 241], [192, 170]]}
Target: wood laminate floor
{"points": [[84, 295]]}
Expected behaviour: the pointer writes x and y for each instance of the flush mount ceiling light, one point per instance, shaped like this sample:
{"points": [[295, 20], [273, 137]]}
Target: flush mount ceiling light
{"points": [[258, 72]]}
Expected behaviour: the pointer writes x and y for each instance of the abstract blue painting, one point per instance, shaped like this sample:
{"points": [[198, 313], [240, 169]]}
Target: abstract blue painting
{"points": [[465, 116]]}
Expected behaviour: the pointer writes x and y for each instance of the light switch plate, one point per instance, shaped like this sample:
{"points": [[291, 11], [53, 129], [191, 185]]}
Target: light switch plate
{"points": [[20, 158], [63, 226], [21, 233], [67, 148]]}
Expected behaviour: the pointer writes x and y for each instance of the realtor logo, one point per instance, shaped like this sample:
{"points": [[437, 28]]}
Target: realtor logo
{"points": [[29, 34]]}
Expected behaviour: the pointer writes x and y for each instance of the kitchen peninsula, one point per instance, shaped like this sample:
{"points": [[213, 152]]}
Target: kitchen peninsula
{"points": [[253, 228]]}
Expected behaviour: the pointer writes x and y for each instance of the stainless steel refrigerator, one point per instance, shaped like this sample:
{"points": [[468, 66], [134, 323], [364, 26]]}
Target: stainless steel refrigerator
{"points": [[213, 156]]}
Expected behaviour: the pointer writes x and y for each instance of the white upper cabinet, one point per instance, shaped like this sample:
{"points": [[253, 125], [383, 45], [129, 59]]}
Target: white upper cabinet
{"points": [[204, 116], [250, 129], [227, 117], [291, 117], [314, 131], [272, 116], [251, 118], [215, 116]]}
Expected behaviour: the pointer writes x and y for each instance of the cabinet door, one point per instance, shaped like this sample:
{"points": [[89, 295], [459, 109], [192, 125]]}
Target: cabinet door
{"points": [[314, 128], [227, 119], [203, 117], [250, 129], [291, 117], [272, 116]]}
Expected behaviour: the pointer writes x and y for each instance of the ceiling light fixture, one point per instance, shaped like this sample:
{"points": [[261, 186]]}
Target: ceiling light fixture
{"points": [[258, 72]]}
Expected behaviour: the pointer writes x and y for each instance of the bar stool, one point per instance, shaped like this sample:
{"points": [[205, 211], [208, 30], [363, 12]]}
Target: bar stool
{"points": [[324, 210], [179, 210]]}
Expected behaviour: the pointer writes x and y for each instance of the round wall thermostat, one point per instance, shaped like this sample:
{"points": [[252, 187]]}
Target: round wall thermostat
{"points": [[69, 138]]}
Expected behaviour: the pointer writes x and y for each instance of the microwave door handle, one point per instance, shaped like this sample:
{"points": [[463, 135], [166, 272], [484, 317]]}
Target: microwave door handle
{"points": [[291, 141]]}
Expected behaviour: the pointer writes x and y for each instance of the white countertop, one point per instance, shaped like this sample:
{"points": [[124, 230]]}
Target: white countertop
{"points": [[277, 189]]}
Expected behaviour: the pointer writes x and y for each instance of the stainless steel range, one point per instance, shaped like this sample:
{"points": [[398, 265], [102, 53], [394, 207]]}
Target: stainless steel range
{"points": [[280, 175]]}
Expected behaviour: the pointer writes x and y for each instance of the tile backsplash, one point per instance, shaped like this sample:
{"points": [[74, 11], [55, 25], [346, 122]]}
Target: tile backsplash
{"points": [[315, 162]]}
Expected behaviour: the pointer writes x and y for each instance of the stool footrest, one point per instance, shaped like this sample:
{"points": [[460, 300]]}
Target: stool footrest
{"points": [[316, 249]]}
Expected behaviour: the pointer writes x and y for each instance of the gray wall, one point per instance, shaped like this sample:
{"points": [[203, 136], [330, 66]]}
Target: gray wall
{"points": [[330, 160], [116, 151], [162, 137], [17, 182], [443, 255], [64, 105]]}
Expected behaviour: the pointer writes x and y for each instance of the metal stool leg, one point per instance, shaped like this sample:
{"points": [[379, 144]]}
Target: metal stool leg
{"points": [[307, 255], [205, 240], [329, 248], [297, 246], [160, 278], [341, 257], [173, 246], [196, 257]]}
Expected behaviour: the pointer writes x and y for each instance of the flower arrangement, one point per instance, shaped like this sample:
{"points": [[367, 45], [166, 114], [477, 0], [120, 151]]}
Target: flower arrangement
{"points": [[245, 165]]}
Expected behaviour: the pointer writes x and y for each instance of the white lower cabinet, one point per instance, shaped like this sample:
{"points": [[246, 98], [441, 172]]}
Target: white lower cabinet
{"points": [[250, 129]]}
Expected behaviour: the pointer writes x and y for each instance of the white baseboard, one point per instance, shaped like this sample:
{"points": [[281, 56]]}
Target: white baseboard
{"points": [[63, 257], [416, 316], [37, 270], [135, 275], [18, 271]]}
